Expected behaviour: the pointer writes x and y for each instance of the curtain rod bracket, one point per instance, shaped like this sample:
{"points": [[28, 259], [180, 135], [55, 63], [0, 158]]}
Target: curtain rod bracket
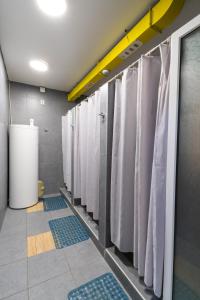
{"points": [[152, 26]]}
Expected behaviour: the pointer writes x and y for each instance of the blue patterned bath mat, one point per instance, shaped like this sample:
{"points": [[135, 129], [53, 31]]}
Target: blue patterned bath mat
{"points": [[68, 231], [104, 287], [54, 203]]}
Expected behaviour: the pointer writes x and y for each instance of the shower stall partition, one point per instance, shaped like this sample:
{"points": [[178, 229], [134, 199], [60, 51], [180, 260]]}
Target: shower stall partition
{"points": [[182, 250]]}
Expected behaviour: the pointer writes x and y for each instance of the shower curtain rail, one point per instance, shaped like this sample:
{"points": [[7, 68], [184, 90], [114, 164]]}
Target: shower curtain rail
{"points": [[166, 41], [136, 62]]}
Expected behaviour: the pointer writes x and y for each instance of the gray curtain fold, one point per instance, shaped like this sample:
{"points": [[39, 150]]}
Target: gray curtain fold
{"points": [[123, 161], [148, 84], [90, 152], [67, 148], [64, 138], [77, 154], [83, 110], [87, 146], [156, 223], [93, 155], [69, 151]]}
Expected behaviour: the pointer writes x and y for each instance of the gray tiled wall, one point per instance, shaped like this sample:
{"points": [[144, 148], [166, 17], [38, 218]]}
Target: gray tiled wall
{"points": [[4, 119], [26, 104]]}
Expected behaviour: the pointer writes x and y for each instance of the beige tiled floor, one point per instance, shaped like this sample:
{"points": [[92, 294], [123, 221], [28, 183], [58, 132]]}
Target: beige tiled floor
{"points": [[38, 207], [49, 275], [40, 243]]}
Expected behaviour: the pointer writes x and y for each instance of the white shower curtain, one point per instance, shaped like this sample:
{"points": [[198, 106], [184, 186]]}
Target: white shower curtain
{"points": [[93, 155], [64, 143], [123, 161], [77, 154], [156, 224], [148, 83], [69, 151], [96, 156], [83, 110], [67, 148], [90, 144]]}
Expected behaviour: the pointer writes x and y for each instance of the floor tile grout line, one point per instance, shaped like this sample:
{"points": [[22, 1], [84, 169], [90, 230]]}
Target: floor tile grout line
{"points": [[8, 234], [13, 262], [66, 262], [41, 282], [19, 292], [71, 273]]}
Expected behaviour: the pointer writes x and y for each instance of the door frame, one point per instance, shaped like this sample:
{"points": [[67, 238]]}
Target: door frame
{"points": [[172, 153]]}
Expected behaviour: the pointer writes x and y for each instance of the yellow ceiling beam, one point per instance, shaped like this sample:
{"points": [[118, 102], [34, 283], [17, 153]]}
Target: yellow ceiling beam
{"points": [[158, 18]]}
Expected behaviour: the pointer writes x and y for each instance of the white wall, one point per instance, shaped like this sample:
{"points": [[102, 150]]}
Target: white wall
{"points": [[4, 120]]}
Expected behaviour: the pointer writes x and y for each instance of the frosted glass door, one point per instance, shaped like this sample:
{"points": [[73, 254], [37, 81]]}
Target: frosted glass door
{"points": [[186, 281]]}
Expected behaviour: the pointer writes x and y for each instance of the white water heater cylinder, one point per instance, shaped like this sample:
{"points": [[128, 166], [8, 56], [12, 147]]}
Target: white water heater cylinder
{"points": [[23, 166]]}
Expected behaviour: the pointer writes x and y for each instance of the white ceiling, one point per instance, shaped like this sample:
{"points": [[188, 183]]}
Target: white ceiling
{"points": [[71, 44]]}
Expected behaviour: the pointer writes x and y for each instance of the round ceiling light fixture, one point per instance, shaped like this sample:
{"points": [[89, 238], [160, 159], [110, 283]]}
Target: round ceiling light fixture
{"points": [[39, 65], [53, 8], [105, 72]]}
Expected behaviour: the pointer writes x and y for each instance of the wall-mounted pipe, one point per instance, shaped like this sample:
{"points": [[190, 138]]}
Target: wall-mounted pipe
{"points": [[158, 18]]}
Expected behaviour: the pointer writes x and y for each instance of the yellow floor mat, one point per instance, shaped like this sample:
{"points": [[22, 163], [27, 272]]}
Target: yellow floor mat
{"points": [[40, 243], [37, 207]]}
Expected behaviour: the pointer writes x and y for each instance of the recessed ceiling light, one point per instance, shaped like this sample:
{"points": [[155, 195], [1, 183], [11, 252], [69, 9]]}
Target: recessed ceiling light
{"points": [[39, 65], [54, 8]]}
